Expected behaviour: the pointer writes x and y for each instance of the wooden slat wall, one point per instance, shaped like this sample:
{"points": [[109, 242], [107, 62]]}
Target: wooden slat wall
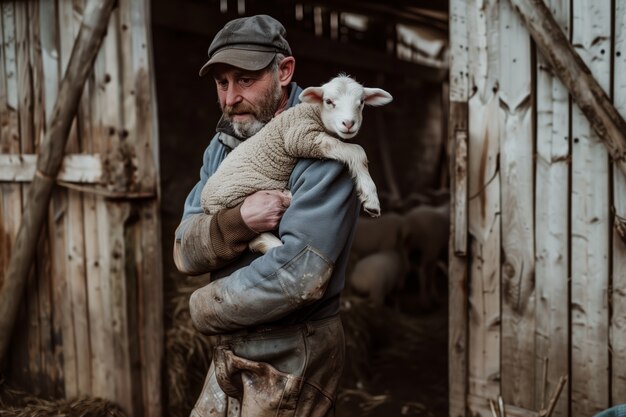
{"points": [[547, 269], [93, 308]]}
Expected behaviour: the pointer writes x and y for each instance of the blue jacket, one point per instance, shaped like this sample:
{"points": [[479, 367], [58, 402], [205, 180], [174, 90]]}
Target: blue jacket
{"points": [[298, 281]]}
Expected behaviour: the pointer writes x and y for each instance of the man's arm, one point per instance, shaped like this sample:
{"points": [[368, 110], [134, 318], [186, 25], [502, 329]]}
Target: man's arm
{"points": [[314, 231], [204, 243]]}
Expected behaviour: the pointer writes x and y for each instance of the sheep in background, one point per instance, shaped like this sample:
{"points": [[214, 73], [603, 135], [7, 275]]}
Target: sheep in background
{"points": [[380, 275], [429, 230], [265, 160], [388, 231]]}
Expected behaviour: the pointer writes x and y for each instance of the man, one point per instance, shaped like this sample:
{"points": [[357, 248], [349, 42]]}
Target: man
{"points": [[279, 343]]}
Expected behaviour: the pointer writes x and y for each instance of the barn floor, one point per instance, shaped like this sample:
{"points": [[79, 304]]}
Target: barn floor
{"points": [[407, 378]]}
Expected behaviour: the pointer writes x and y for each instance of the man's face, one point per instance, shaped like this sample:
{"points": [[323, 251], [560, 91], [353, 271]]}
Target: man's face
{"points": [[248, 99]]}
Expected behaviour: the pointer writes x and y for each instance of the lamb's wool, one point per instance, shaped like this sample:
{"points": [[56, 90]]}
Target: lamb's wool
{"points": [[265, 160]]}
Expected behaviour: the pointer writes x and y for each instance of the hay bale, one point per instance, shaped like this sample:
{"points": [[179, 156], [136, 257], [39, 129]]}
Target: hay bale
{"points": [[16, 403], [187, 352]]}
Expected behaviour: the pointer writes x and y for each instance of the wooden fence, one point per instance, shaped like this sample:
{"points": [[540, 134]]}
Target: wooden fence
{"points": [[91, 316], [538, 259]]}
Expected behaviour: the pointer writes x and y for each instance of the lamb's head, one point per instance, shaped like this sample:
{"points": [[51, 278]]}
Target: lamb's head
{"points": [[342, 100]]}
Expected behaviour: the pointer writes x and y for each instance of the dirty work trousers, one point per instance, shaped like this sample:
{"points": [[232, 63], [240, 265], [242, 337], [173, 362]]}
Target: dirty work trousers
{"points": [[280, 371]]}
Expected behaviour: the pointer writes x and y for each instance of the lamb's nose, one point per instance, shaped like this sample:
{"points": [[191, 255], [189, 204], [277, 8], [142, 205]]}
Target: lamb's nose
{"points": [[348, 123]]}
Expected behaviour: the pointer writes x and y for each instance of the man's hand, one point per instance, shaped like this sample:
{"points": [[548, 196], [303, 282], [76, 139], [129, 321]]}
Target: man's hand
{"points": [[263, 210]]}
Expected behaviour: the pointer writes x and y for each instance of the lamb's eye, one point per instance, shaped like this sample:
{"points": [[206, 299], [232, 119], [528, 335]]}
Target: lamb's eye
{"points": [[329, 102]]}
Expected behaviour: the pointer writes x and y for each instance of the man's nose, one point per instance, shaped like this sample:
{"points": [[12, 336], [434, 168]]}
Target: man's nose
{"points": [[233, 95]]}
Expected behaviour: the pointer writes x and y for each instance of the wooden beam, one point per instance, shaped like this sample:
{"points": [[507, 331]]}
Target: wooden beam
{"points": [[574, 73], [194, 18], [90, 36], [74, 168], [345, 54], [409, 14]]}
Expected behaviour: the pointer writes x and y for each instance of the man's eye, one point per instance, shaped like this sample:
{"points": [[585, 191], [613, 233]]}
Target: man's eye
{"points": [[246, 81], [222, 84]]}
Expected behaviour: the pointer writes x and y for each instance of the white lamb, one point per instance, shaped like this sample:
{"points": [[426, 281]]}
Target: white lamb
{"points": [[380, 275], [266, 160]]}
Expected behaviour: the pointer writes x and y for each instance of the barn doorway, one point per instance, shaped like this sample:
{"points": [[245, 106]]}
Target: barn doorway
{"points": [[397, 352]]}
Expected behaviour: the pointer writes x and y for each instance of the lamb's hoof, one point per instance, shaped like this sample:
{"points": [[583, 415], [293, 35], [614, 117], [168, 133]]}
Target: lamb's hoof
{"points": [[372, 211]]}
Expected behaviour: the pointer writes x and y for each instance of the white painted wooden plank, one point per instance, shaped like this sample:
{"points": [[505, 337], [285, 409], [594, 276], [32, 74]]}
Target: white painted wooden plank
{"points": [[516, 175], [484, 204], [618, 300], [591, 36], [75, 168], [551, 225]]}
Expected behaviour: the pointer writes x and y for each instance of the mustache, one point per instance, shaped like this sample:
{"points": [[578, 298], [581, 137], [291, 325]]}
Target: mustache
{"points": [[238, 108]]}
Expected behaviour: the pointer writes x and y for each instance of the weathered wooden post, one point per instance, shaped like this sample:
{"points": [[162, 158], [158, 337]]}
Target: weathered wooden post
{"points": [[88, 41], [574, 73]]}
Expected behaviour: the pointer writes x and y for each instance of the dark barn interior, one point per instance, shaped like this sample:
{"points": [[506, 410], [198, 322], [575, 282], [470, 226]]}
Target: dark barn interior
{"points": [[400, 46]]}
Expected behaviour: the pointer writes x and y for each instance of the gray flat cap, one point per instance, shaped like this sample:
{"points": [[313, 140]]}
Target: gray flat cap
{"points": [[249, 43]]}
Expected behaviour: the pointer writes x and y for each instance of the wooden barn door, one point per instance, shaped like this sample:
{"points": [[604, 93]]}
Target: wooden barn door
{"points": [[91, 317], [537, 254]]}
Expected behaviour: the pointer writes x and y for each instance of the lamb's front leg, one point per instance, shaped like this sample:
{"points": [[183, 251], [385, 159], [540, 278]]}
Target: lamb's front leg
{"points": [[355, 158], [264, 242]]}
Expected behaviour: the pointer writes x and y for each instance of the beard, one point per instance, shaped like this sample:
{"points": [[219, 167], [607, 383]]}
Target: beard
{"points": [[260, 113]]}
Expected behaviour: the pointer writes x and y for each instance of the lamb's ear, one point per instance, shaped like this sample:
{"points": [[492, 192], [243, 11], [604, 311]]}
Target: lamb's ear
{"points": [[376, 97], [312, 95]]}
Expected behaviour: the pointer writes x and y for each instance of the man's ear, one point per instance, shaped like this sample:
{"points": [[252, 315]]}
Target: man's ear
{"points": [[286, 70]]}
